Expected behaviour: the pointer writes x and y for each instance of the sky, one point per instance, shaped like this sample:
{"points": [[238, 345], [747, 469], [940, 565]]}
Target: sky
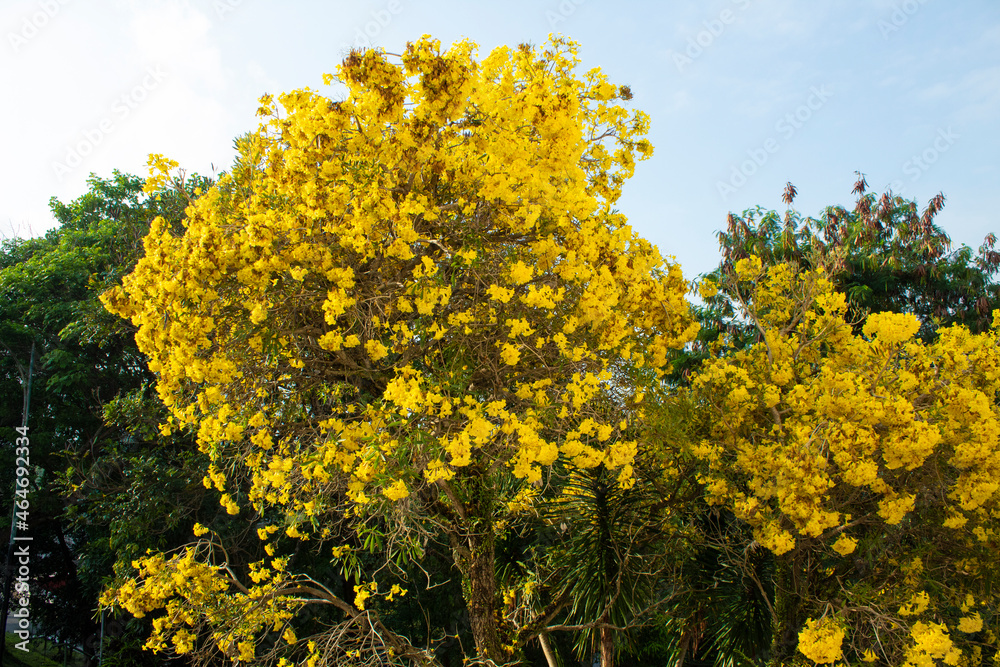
{"points": [[744, 95]]}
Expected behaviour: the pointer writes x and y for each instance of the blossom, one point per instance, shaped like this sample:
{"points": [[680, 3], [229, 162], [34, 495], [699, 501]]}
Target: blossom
{"points": [[396, 491], [821, 641], [845, 545], [971, 623]]}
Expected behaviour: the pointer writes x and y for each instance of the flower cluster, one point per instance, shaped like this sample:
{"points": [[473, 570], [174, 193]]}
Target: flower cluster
{"points": [[821, 641], [186, 595]]}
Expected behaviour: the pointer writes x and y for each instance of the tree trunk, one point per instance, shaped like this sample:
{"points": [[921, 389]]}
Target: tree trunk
{"points": [[607, 645], [479, 571], [473, 544], [788, 611], [550, 656]]}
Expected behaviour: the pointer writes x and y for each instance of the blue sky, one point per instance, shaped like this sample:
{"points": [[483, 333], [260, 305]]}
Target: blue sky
{"points": [[744, 95]]}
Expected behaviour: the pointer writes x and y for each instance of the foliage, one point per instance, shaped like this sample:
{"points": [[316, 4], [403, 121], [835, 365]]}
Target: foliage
{"points": [[882, 254], [608, 560], [87, 363], [722, 613], [387, 324], [46, 294]]}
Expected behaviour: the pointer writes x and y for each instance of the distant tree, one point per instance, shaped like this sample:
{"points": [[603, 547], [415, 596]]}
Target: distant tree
{"points": [[883, 254]]}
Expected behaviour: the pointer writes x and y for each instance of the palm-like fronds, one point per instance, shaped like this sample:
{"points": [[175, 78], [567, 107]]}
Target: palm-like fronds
{"points": [[610, 556], [723, 617]]}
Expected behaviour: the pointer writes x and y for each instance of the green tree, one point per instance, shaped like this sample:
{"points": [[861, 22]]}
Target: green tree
{"points": [[610, 566], [88, 368]]}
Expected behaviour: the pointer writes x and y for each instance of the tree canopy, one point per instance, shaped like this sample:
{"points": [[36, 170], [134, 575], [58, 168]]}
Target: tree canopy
{"points": [[884, 254]]}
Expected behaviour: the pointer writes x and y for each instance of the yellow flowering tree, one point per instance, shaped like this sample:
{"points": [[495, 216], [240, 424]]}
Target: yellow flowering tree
{"points": [[396, 318], [867, 464]]}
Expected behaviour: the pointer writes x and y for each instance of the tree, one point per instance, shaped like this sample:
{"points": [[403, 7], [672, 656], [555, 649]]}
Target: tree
{"points": [[387, 323], [610, 566], [721, 613], [883, 254], [45, 296], [866, 463]]}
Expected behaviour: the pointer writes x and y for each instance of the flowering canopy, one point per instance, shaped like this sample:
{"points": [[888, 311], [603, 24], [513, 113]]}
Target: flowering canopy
{"points": [[868, 464], [400, 298]]}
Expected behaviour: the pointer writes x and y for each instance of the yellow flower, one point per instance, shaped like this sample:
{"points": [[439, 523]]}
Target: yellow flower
{"points": [[931, 641], [520, 272], [230, 505], [845, 545], [396, 491], [376, 350], [510, 354], [917, 605], [258, 313], [361, 594], [970, 624], [707, 289], [499, 293], [891, 328], [821, 641]]}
